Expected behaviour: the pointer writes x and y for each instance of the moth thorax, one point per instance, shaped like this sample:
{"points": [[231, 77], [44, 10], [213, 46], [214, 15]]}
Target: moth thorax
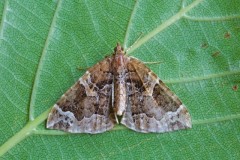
{"points": [[119, 60]]}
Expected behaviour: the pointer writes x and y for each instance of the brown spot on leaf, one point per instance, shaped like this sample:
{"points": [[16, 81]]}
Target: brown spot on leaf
{"points": [[235, 87], [216, 54], [227, 35], [204, 45]]}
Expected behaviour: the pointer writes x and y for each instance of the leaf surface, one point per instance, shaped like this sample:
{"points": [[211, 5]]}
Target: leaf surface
{"points": [[44, 42]]}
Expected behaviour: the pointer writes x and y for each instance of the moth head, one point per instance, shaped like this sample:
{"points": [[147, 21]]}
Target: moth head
{"points": [[118, 49]]}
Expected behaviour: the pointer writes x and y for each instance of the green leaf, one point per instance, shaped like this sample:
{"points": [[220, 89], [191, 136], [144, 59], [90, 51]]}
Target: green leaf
{"points": [[44, 42]]}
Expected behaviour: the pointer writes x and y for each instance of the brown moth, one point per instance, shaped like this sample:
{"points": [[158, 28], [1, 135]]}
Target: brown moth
{"points": [[124, 86]]}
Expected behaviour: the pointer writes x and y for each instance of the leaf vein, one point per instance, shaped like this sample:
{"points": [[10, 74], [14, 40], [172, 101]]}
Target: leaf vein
{"points": [[3, 18], [210, 76], [40, 64], [127, 33], [210, 19]]}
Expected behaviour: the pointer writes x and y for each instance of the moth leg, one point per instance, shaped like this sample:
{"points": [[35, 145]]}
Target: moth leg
{"points": [[115, 115], [154, 62], [83, 68]]}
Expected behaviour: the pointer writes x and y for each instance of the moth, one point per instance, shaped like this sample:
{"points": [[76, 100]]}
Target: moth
{"points": [[122, 86]]}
